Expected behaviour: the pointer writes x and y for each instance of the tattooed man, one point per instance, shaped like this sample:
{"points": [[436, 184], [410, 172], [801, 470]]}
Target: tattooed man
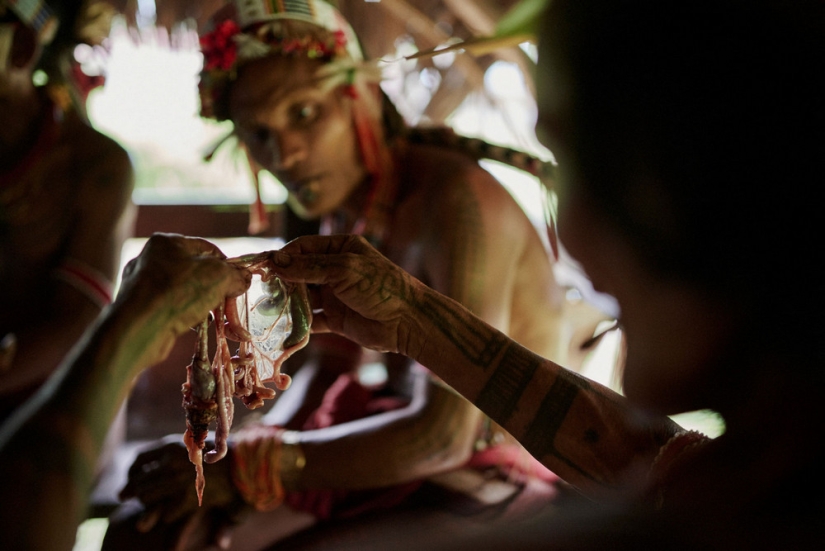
{"points": [[308, 108]]}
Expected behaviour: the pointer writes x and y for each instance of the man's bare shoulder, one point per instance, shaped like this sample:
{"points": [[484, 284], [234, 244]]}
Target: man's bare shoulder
{"points": [[449, 178], [103, 165], [92, 147]]}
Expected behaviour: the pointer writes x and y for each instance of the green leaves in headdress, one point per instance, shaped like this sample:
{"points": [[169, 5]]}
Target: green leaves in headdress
{"points": [[518, 25]]}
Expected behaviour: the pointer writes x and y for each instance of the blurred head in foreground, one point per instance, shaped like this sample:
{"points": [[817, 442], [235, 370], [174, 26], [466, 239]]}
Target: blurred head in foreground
{"points": [[689, 139]]}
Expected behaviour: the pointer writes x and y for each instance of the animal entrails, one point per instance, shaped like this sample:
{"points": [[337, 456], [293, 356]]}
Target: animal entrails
{"points": [[270, 322]]}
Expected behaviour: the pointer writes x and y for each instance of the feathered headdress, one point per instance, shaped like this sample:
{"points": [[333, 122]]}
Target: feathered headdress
{"points": [[246, 30]]}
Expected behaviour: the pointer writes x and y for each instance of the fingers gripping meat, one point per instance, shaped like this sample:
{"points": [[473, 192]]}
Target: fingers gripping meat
{"points": [[301, 313], [270, 323]]}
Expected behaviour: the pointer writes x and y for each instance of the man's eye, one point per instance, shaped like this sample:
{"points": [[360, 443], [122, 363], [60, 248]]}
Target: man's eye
{"points": [[305, 112]]}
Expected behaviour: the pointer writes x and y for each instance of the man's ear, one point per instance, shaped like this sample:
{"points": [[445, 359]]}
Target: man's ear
{"points": [[23, 48]]}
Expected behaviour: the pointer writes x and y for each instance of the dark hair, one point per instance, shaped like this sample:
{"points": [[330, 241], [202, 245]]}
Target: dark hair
{"points": [[699, 129]]}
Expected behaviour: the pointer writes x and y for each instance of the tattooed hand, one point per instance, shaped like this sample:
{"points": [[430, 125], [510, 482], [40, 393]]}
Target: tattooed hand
{"points": [[359, 294]]}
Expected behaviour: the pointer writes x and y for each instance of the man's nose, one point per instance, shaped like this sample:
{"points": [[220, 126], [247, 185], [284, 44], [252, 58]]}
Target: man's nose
{"points": [[290, 149]]}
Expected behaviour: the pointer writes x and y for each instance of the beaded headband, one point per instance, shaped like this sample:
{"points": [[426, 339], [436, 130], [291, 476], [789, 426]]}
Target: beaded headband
{"points": [[245, 30]]}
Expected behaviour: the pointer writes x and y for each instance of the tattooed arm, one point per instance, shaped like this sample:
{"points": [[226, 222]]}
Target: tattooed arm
{"points": [[463, 252], [48, 448], [584, 432]]}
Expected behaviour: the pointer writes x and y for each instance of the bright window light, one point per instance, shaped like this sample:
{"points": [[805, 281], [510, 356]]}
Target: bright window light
{"points": [[150, 106]]}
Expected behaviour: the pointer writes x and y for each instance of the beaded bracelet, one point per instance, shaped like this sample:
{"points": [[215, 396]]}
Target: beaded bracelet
{"points": [[265, 460], [256, 462]]}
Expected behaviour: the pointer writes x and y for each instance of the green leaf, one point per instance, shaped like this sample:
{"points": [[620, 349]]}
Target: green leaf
{"points": [[474, 46], [522, 19], [519, 24]]}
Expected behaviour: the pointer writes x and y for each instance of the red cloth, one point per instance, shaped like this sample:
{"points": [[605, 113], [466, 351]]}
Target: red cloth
{"points": [[514, 462]]}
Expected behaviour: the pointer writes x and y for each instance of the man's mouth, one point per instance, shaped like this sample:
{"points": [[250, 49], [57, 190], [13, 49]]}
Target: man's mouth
{"points": [[307, 194], [304, 189]]}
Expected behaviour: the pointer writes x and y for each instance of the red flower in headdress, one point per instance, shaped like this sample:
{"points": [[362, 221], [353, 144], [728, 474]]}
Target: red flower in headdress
{"points": [[219, 47], [289, 46], [340, 39], [340, 45]]}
